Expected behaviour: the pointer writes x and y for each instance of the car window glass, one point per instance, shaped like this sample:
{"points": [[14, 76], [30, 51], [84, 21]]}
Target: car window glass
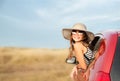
{"points": [[115, 71]]}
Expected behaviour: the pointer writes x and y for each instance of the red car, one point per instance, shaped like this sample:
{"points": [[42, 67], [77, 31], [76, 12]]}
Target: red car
{"points": [[107, 66]]}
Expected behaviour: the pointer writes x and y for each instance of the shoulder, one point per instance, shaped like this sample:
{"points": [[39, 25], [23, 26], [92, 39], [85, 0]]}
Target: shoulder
{"points": [[78, 46]]}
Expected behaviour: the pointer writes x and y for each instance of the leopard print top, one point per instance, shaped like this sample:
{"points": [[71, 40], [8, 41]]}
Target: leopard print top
{"points": [[88, 56]]}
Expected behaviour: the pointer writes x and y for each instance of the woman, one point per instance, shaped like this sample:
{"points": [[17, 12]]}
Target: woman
{"points": [[79, 46]]}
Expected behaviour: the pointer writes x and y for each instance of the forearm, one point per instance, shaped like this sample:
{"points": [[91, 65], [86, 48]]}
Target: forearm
{"points": [[82, 63], [93, 62]]}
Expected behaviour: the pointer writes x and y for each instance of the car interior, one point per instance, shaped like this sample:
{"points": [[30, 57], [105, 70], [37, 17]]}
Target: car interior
{"points": [[95, 44]]}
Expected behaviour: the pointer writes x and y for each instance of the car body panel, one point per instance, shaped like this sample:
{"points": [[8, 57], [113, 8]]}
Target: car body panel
{"points": [[104, 62]]}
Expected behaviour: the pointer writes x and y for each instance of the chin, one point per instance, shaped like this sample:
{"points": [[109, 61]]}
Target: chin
{"points": [[77, 40]]}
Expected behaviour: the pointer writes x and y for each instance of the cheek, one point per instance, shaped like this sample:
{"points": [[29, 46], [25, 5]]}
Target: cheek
{"points": [[77, 38], [83, 37], [80, 36]]}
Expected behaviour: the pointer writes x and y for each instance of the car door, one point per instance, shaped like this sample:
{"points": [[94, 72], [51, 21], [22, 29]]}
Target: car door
{"points": [[115, 70], [101, 70]]}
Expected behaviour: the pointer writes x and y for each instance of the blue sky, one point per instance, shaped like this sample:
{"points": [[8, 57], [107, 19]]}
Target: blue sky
{"points": [[38, 23]]}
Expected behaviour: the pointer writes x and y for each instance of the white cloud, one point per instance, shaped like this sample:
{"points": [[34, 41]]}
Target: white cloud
{"points": [[97, 17], [116, 19], [60, 13], [81, 5], [42, 13], [74, 6]]}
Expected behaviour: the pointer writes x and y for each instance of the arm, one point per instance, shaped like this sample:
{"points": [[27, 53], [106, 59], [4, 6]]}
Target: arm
{"points": [[93, 62], [87, 73], [98, 53], [80, 56]]}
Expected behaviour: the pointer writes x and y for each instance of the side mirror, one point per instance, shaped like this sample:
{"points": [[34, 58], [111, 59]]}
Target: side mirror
{"points": [[71, 60]]}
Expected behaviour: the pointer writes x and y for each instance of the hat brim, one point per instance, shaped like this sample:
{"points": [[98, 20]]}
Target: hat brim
{"points": [[67, 34]]}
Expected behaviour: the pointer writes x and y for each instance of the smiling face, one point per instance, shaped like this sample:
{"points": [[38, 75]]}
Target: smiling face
{"points": [[77, 35]]}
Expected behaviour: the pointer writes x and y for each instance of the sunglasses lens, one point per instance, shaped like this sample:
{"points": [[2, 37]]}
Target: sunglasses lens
{"points": [[81, 31], [75, 32]]}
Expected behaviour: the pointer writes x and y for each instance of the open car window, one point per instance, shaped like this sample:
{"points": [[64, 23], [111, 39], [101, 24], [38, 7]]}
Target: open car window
{"points": [[95, 44]]}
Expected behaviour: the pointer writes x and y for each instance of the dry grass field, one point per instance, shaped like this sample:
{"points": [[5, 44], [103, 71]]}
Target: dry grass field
{"points": [[33, 64]]}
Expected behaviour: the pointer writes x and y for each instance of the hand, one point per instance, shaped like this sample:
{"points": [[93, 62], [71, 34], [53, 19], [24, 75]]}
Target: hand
{"points": [[86, 74], [74, 74]]}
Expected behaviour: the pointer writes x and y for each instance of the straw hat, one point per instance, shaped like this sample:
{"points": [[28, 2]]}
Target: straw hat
{"points": [[78, 26]]}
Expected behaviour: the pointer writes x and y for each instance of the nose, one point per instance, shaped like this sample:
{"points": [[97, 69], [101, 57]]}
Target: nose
{"points": [[77, 33]]}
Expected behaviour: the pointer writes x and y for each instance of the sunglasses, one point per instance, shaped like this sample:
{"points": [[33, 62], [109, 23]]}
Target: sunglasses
{"points": [[74, 32]]}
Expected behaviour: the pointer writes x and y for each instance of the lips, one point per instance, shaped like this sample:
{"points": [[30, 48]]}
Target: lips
{"points": [[77, 38]]}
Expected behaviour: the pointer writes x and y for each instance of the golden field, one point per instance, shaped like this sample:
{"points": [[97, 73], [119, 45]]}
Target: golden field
{"points": [[34, 64]]}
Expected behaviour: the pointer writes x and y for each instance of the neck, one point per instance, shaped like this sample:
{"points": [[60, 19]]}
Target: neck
{"points": [[78, 41], [83, 43]]}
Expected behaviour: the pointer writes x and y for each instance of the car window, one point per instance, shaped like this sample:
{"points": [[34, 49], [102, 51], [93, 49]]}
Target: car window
{"points": [[115, 70], [95, 44]]}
